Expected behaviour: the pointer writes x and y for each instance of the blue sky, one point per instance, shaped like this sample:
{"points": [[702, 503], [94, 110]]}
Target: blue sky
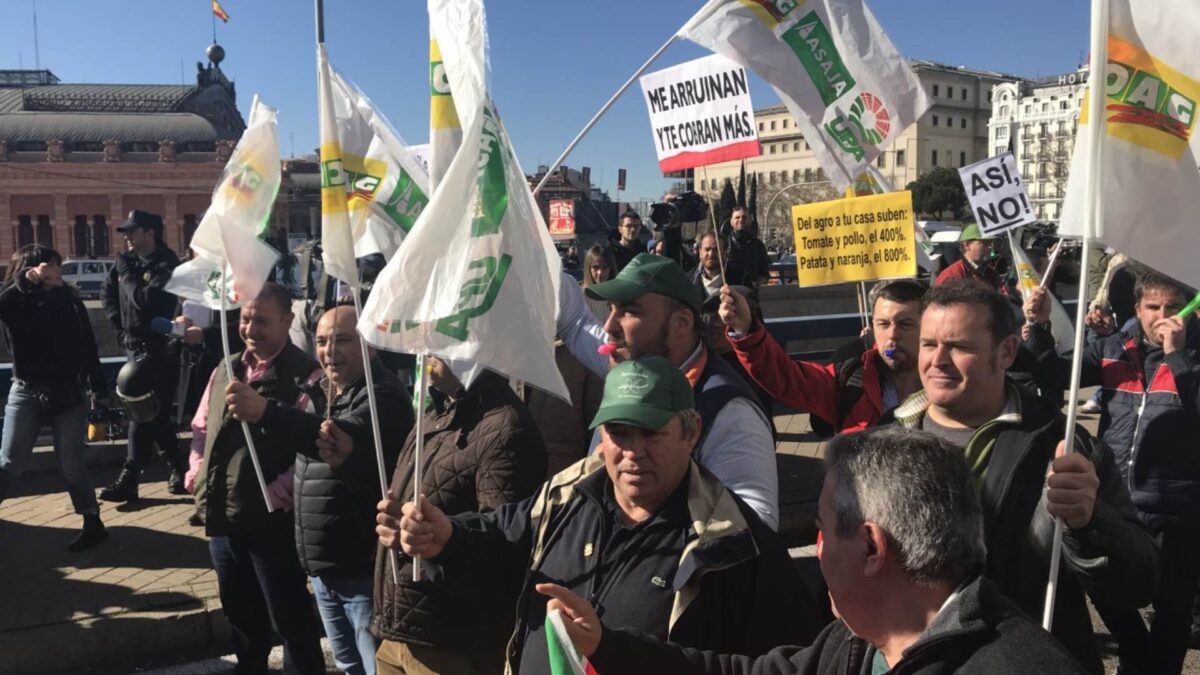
{"points": [[553, 62]]}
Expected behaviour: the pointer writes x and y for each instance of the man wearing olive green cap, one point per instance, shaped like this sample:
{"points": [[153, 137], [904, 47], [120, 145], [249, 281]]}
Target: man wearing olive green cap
{"points": [[976, 261], [650, 537], [654, 309]]}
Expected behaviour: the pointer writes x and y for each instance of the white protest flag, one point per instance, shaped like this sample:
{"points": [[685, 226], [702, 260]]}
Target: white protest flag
{"points": [[445, 129], [1061, 325], [477, 277], [230, 235], [850, 90], [1149, 188], [386, 183]]}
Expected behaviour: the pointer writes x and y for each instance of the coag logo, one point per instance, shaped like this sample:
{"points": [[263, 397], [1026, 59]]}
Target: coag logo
{"points": [[868, 123], [1149, 104], [359, 177]]}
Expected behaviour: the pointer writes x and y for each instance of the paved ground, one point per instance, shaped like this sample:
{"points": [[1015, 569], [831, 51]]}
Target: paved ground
{"points": [[147, 598]]}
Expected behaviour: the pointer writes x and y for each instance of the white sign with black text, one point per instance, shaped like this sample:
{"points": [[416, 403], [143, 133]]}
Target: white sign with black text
{"points": [[700, 113], [997, 194]]}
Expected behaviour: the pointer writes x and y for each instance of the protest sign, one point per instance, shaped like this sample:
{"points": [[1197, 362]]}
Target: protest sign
{"points": [[997, 194], [858, 239], [562, 219], [700, 113]]}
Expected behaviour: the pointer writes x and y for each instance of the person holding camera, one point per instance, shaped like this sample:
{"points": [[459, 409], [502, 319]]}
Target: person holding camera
{"points": [[133, 297], [54, 358]]}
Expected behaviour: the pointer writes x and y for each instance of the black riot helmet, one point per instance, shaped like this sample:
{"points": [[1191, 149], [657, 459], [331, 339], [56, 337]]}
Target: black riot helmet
{"points": [[136, 386]]}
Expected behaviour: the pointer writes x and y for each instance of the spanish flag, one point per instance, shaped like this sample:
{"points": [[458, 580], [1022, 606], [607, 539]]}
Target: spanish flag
{"points": [[219, 12]]}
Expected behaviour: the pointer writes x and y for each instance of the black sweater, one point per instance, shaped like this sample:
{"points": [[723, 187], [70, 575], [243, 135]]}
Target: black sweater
{"points": [[50, 337]]}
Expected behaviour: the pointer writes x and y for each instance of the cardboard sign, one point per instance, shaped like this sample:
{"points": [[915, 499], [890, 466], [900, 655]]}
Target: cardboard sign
{"points": [[997, 194], [858, 239], [562, 219], [700, 113]]}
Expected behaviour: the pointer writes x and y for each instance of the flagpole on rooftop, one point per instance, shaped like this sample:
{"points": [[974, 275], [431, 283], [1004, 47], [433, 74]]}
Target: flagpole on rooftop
{"points": [[1097, 115]]}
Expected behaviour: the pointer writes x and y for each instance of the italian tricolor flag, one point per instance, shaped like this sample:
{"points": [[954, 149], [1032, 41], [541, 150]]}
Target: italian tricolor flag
{"points": [[564, 660]]}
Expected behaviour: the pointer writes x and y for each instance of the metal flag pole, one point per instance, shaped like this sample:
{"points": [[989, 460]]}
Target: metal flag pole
{"points": [[704, 12], [417, 449], [262, 484], [1095, 138], [712, 219]]}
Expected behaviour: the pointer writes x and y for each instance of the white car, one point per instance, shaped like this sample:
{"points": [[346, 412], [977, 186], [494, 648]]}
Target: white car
{"points": [[88, 275]]}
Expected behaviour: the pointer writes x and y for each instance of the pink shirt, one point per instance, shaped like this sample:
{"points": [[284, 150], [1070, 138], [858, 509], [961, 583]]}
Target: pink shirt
{"points": [[279, 489]]}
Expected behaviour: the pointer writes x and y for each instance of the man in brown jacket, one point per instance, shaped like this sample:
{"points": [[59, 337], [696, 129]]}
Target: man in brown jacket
{"points": [[482, 450]]}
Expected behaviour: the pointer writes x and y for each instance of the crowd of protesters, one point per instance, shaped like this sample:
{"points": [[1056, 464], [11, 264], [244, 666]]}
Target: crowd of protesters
{"points": [[646, 510]]}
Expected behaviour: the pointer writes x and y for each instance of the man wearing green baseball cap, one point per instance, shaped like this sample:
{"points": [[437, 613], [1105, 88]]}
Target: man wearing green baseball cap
{"points": [[976, 262], [654, 309], [646, 534]]}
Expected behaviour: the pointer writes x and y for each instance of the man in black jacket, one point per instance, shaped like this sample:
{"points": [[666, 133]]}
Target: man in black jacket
{"points": [[901, 551], [1013, 442], [337, 482], [133, 297], [745, 251], [1149, 379], [630, 243], [638, 528]]}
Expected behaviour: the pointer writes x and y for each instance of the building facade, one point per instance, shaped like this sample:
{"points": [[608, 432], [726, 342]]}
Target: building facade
{"points": [[1038, 120], [953, 133], [76, 158]]}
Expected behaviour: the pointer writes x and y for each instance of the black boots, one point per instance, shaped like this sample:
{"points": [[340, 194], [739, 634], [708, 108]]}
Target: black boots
{"points": [[93, 533], [125, 489], [175, 483]]}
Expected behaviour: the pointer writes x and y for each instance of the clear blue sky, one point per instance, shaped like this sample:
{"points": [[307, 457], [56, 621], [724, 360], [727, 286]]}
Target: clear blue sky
{"points": [[553, 62]]}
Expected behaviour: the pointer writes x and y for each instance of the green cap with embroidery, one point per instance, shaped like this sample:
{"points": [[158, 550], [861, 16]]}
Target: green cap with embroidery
{"points": [[648, 274], [645, 392]]}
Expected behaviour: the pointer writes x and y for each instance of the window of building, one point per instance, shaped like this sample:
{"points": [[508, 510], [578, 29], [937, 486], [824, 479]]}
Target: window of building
{"points": [[949, 121], [795, 175], [962, 159], [1003, 111], [796, 147], [808, 175], [100, 235], [80, 233], [950, 92], [962, 123], [772, 125], [760, 126], [703, 185], [189, 227], [24, 231], [1062, 105], [774, 178], [964, 93], [935, 120], [999, 150], [820, 174], [899, 158], [934, 162], [1028, 109], [1045, 107], [990, 96], [879, 161], [1002, 132], [784, 123], [936, 90], [772, 148], [44, 233]]}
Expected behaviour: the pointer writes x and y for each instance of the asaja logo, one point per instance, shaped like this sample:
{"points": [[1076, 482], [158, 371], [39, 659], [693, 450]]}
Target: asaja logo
{"points": [[635, 384], [771, 12], [1150, 103], [818, 53], [868, 123]]}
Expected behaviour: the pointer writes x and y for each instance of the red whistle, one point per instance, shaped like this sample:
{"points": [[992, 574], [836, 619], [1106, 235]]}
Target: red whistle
{"points": [[606, 349]]}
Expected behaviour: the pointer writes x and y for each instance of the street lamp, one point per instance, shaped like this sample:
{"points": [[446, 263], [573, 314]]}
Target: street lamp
{"points": [[785, 188]]}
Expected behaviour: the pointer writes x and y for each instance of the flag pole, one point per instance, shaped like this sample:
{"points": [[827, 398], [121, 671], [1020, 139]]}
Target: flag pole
{"points": [[712, 219], [700, 16], [421, 385], [1052, 264], [1097, 115], [262, 484]]}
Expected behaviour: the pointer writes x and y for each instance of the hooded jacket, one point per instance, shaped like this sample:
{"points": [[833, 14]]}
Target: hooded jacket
{"points": [[979, 631], [1149, 414], [1113, 559], [734, 588]]}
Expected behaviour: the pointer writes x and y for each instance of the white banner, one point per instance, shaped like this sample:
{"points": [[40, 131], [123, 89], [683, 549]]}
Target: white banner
{"points": [[700, 113], [997, 195], [851, 92], [1149, 188], [478, 275]]}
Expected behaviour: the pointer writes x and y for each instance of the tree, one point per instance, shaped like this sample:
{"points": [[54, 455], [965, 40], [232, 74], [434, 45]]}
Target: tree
{"points": [[724, 207], [741, 188], [939, 192], [776, 227], [752, 203]]}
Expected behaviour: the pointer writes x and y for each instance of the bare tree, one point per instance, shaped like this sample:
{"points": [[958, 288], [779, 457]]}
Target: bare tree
{"points": [[775, 214]]}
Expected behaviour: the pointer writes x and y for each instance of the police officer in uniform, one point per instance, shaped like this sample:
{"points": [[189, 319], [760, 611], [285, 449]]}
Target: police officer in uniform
{"points": [[133, 297]]}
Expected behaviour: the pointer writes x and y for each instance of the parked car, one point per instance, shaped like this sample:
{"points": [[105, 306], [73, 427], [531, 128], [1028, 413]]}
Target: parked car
{"points": [[88, 275]]}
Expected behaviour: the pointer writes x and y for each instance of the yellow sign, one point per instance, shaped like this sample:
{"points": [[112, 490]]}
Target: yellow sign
{"points": [[858, 239]]}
